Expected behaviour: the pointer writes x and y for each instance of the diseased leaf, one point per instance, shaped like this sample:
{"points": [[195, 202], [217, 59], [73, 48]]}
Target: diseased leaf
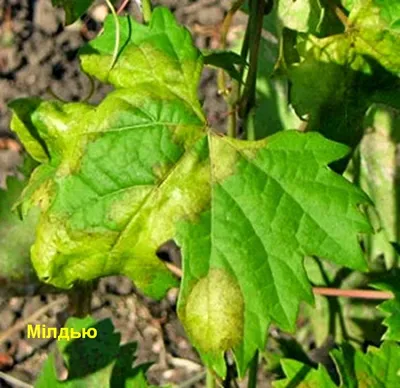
{"points": [[158, 57], [16, 237], [142, 168], [336, 78], [27, 132], [94, 362], [329, 89], [117, 173], [374, 26], [303, 207]]}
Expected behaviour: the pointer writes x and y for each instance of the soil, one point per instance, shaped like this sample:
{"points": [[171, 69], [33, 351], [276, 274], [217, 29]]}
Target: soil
{"points": [[38, 57]]}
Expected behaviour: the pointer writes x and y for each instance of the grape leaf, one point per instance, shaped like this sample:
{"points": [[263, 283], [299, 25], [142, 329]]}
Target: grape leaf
{"points": [[74, 9], [101, 188], [142, 168], [300, 375], [379, 367], [301, 15], [391, 307], [337, 77], [302, 205], [331, 85], [16, 237], [94, 362], [310, 16], [374, 26], [225, 60]]}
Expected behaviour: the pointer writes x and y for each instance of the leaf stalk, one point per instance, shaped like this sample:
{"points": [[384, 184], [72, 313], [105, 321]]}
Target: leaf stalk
{"points": [[146, 10]]}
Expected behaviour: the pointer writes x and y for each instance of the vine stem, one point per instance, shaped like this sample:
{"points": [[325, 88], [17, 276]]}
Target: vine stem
{"points": [[14, 381], [359, 294], [338, 12], [247, 102], [231, 125], [325, 291], [80, 299], [122, 6], [252, 383]]}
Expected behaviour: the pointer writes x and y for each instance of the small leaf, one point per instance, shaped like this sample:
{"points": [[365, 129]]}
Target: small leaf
{"points": [[379, 367], [391, 307], [74, 9], [301, 15], [94, 362], [225, 60], [22, 123], [303, 376]]}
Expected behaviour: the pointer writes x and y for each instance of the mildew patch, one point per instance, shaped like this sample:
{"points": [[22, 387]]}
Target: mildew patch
{"points": [[214, 312]]}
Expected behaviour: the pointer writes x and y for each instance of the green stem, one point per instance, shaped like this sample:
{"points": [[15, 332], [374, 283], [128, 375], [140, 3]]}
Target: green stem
{"points": [[146, 9], [117, 33], [247, 102], [80, 299], [252, 383], [210, 380]]}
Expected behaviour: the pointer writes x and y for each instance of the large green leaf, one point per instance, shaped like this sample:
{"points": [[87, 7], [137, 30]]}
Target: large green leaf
{"points": [[117, 173], [94, 362], [379, 367], [279, 204], [142, 168]]}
